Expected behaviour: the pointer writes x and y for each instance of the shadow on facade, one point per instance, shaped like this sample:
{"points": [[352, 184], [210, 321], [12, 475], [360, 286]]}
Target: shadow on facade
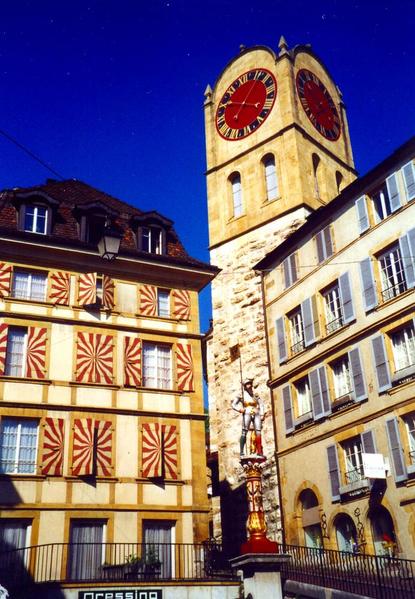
{"points": [[234, 514], [18, 566]]}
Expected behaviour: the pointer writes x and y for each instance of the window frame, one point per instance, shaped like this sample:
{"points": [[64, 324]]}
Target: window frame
{"points": [[159, 243], [409, 339], [353, 458], [8, 366], [235, 181], [380, 199], [160, 292], [30, 275], [398, 286], [18, 447], [334, 324], [271, 178], [346, 375], [35, 206], [303, 399], [157, 347], [296, 331]]}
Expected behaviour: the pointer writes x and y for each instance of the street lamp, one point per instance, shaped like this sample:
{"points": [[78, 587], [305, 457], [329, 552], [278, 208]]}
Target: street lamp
{"points": [[109, 244]]}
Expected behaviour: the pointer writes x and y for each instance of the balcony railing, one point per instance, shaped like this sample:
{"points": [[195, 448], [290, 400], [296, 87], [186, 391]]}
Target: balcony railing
{"points": [[101, 562], [297, 347], [354, 475], [393, 291], [334, 324]]}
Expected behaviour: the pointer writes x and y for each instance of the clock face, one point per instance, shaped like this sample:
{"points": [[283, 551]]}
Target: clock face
{"points": [[246, 104], [318, 105]]}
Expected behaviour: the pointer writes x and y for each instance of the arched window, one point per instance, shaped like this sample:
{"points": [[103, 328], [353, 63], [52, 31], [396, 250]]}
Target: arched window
{"points": [[316, 173], [236, 187], [346, 533], [339, 181], [311, 519], [271, 181], [383, 532]]}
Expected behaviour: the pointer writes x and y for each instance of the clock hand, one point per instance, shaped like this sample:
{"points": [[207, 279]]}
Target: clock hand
{"points": [[246, 97], [245, 103]]}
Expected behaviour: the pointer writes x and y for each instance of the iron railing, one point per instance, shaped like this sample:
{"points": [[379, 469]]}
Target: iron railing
{"points": [[354, 475], [101, 562], [334, 325], [394, 290], [376, 576]]}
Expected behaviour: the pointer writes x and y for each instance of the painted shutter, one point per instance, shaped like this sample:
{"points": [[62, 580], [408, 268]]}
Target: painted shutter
{"points": [[393, 191], [36, 352], [334, 472], [320, 247], [368, 284], [328, 244], [358, 378], [368, 442], [381, 363], [151, 450], [108, 293], [184, 364], [308, 313], [5, 279], [282, 347], [132, 361], [408, 172], [169, 433], [362, 214], [94, 358], [83, 447], [104, 435], [288, 409], [4, 329], [181, 304], [407, 247], [87, 288], [395, 449], [148, 300], [59, 288], [346, 298], [316, 396], [52, 450], [293, 268], [325, 397]]}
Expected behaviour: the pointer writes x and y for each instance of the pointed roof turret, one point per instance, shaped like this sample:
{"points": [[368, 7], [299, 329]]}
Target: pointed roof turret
{"points": [[282, 46]]}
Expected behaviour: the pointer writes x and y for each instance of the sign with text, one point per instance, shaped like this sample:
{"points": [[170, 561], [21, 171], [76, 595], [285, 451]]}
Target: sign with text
{"points": [[373, 465], [121, 594]]}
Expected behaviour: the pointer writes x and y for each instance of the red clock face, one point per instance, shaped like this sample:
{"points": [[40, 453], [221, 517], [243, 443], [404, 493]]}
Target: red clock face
{"points": [[318, 105], [246, 104]]}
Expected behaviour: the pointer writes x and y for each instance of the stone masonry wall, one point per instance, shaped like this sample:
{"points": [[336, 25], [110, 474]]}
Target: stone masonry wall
{"points": [[238, 319]]}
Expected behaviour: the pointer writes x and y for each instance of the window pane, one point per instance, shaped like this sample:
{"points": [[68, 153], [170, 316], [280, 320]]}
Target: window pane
{"points": [[237, 195], [164, 369], [155, 240], [16, 341], [403, 344], [353, 458], [18, 446], [29, 218], [271, 179], [303, 397], [86, 551], [392, 273], [41, 215], [149, 365], [334, 317], [382, 204], [341, 377], [145, 239], [28, 446], [163, 303], [20, 285], [157, 366]]}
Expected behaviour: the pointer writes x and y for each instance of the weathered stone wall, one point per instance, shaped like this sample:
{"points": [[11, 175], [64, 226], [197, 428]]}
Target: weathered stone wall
{"points": [[238, 319]]}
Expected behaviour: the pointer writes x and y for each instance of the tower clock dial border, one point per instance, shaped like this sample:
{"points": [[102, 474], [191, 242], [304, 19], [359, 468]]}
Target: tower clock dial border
{"points": [[318, 105], [246, 104]]}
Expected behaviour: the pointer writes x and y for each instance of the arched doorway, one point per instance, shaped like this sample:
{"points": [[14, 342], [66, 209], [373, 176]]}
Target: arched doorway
{"points": [[383, 532], [311, 519], [346, 533]]}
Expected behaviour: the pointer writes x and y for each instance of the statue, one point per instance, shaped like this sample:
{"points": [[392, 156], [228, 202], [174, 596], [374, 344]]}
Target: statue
{"points": [[252, 410]]}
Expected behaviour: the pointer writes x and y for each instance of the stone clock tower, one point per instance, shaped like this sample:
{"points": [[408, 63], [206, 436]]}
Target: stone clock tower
{"points": [[278, 147]]}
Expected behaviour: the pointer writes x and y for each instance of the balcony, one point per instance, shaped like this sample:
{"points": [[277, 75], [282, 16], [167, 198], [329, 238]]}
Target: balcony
{"points": [[393, 291], [334, 325], [356, 482], [297, 347]]}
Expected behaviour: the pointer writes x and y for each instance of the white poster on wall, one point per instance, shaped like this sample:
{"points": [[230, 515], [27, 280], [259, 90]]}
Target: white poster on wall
{"points": [[373, 465]]}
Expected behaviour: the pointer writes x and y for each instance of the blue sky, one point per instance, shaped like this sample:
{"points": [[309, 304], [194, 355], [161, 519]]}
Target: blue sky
{"points": [[112, 92]]}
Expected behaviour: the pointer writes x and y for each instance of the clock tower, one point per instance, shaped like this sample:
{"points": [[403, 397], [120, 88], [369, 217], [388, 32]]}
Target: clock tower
{"points": [[278, 147]]}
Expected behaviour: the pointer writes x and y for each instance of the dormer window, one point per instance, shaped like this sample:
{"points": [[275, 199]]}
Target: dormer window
{"points": [[35, 219], [151, 240], [92, 227]]}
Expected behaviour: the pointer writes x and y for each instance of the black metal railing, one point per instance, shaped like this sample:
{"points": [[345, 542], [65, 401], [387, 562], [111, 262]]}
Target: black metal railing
{"points": [[393, 291], [101, 562], [354, 475], [369, 575], [297, 347], [334, 325]]}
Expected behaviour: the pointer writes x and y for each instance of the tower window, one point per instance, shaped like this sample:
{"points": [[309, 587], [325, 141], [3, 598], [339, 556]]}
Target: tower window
{"points": [[339, 181], [236, 186], [271, 180], [316, 175]]}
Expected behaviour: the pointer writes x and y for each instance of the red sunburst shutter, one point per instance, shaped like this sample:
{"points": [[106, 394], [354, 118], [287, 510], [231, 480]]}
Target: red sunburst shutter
{"points": [[94, 358], [52, 450], [87, 288], [36, 352], [82, 447], [4, 328], [132, 361], [151, 450], [181, 304], [184, 362], [108, 293], [148, 300], [104, 441], [169, 451], [59, 288], [5, 278]]}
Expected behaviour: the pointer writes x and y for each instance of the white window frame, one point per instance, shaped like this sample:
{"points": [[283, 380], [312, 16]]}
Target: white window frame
{"points": [[236, 189], [296, 327], [381, 204], [159, 382], [342, 380], [18, 448], [352, 451], [35, 218], [163, 309], [406, 358], [271, 179], [303, 393], [333, 308], [24, 352], [29, 294], [393, 279], [154, 239]]}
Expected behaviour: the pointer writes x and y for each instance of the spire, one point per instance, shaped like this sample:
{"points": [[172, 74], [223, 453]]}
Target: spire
{"points": [[242, 47], [282, 46], [208, 94]]}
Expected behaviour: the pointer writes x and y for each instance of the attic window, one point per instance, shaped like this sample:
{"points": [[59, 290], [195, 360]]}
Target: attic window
{"points": [[35, 218], [152, 239], [92, 227]]}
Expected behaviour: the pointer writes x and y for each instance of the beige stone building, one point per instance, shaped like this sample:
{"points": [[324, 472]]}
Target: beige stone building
{"points": [[270, 163], [342, 366], [102, 423]]}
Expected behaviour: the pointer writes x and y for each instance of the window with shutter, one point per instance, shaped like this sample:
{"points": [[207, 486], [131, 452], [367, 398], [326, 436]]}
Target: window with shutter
{"points": [[392, 272], [181, 304], [296, 327], [132, 361], [407, 249], [408, 172], [403, 350], [368, 284], [362, 214], [396, 451], [94, 358], [324, 244], [381, 363], [184, 365], [157, 366], [334, 472], [352, 451], [18, 445], [59, 288], [92, 447], [52, 450], [290, 270], [282, 346], [159, 451], [303, 398], [288, 409], [24, 351], [333, 308], [29, 285]]}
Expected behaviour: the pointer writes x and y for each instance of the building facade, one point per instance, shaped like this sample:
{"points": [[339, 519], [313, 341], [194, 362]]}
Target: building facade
{"points": [[270, 162], [342, 366], [102, 424]]}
